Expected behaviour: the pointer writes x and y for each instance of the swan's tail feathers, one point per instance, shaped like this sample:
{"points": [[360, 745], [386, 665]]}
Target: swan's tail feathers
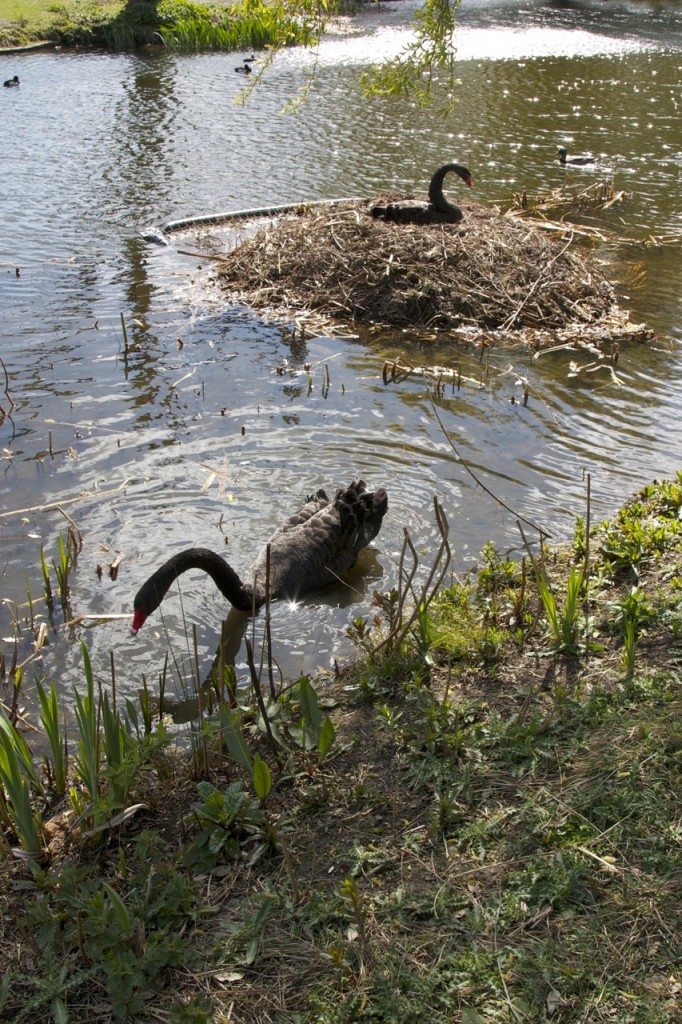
{"points": [[360, 513], [375, 502], [352, 492], [320, 495]]}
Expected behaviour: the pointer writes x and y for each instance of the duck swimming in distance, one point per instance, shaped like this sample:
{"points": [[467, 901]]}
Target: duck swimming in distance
{"points": [[574, 161], [313, 548], [245, 70], [12, 82]]}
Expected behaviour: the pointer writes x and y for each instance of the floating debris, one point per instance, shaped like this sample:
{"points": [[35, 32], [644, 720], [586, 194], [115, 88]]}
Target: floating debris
{"points": [[598, 196]]}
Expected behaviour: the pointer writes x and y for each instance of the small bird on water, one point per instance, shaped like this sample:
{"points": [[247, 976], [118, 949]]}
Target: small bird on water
{"points": [[11, 82], [245, 70], [574, 161]]}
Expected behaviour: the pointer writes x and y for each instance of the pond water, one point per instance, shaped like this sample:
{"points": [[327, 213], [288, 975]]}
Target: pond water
{"points": [[195, 437]]}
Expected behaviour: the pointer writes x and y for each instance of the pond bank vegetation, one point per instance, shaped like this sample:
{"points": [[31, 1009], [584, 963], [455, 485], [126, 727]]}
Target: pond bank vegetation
{"points": [[494, 278], [479, 816], [176, 25]]}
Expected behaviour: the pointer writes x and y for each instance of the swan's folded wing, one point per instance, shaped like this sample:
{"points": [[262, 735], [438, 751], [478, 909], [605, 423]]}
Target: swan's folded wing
{"points": [[312, 506]]}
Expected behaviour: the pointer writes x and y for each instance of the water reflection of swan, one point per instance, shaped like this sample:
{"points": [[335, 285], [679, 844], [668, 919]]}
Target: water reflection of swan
{"points": [[437, 211], [575, 161], [313, 548]]}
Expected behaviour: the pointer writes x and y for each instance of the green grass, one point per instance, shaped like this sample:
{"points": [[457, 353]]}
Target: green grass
{"points": [[23, 21]]}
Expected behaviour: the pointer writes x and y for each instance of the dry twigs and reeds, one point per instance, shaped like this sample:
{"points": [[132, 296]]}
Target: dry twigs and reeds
{"points": [[548, 211], [492, 276], [566, 200]]}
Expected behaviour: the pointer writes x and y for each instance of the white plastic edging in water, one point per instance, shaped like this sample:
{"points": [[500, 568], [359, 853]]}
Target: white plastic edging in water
{"points": [[267, 211]]}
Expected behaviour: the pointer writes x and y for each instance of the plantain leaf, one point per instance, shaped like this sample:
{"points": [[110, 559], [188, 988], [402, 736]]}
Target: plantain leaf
{"points": [[309, 706], [326, 738], [261, 778], [233, 737]]}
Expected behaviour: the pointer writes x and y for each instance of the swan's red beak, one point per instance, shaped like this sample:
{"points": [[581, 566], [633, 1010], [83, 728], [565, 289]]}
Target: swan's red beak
{"points": [[468, 182], [138, 620]]}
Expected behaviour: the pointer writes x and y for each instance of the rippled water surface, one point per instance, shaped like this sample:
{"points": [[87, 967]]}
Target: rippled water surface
{"points": [[195, 437]]}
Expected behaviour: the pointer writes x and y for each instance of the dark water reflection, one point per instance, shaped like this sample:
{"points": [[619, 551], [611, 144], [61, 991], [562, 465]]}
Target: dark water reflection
{"points": [[98, 147]]}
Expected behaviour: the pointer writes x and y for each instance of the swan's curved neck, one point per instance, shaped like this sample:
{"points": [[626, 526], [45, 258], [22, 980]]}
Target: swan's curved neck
{"points": [[436, 197], [152, 592]]}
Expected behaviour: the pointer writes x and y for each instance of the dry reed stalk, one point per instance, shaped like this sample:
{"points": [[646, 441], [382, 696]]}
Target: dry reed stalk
{"points": [[437, 572], [85, 496]]}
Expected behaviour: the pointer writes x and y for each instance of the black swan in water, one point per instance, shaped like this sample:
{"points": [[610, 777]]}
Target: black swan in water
{"points": [[437, 211], [314, 547], [574, 161]]}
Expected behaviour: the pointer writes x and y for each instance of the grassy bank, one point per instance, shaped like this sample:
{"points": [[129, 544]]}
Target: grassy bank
{"points": [[176, 24], [25, 21], [477, 821]]}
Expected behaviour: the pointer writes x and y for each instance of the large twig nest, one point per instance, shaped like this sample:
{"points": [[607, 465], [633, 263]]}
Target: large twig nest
{"points": [[491, 273]]}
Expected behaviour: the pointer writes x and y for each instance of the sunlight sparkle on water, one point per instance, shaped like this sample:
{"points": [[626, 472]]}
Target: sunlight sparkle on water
{"points": [[472, 44]]}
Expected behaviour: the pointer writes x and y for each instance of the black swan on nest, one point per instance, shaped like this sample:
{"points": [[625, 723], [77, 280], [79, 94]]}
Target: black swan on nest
{"points": [[312, 548], [437, 211]]}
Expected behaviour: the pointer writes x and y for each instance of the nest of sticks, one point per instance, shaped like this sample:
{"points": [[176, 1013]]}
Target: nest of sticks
{"points": [[490, 275]]}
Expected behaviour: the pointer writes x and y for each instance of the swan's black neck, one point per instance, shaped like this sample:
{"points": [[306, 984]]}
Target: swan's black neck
{"points": [[152, 592], [436, 197]]}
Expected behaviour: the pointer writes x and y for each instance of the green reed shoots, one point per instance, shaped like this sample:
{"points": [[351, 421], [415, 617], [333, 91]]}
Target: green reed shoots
{"points": [[572, 604], [49, 716], [549, 604], [62, 568], [146, 707], [133, 717], [563, 624], [26, 822], [87, 762], [162, 687], [114, 736], [29, 597], [47, 585], [629, 648], [17, 742], [17, 679]]}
